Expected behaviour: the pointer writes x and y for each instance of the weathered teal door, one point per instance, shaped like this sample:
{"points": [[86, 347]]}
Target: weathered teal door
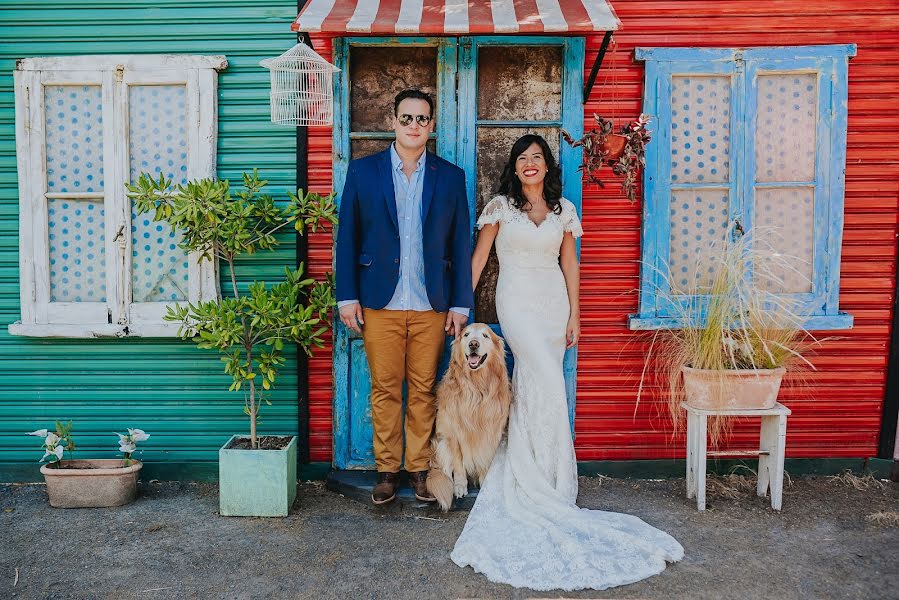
{"points": [[480, 111]]}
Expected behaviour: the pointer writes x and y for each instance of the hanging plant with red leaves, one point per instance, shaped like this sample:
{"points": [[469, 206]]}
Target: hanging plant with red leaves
{"points": [[624, 151]]}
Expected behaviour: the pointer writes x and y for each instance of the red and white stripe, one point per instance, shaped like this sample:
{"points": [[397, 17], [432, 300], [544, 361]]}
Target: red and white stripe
{"points": [[455, 17]]}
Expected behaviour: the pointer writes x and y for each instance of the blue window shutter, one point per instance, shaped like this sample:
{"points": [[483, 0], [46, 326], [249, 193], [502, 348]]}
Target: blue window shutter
{"points": [[800, 72], [672, 161]]}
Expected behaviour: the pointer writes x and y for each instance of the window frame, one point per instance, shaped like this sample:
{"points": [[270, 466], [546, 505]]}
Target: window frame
{"points": [[744, 66], [117, 316]]}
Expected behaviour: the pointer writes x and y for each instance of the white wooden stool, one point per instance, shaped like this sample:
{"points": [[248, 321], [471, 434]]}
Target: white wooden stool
{"points": [[772, 442]]}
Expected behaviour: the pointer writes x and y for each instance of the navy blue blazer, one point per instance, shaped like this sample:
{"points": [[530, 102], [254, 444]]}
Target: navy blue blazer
{"points": [[368, 237]]}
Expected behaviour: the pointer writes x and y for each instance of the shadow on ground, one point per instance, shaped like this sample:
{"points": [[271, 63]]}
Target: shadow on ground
{"points": [[171, 544]]}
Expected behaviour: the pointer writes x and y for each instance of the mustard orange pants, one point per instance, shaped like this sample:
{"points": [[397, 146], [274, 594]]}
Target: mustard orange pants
{"points": [[403, 344]]}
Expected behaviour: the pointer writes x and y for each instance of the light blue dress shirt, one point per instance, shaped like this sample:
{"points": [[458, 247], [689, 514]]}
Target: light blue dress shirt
{"points": [[411, 291]]}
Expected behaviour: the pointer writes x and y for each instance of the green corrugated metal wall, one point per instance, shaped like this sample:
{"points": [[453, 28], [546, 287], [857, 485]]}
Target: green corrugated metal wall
{"points": [[169, 388]]}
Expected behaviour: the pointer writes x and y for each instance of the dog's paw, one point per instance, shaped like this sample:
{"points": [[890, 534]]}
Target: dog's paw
{"points": [[460, 490]]}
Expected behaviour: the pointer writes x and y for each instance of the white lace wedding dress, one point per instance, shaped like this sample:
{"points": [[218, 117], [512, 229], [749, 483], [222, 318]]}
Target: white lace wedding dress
{"points": [[525, 529]]}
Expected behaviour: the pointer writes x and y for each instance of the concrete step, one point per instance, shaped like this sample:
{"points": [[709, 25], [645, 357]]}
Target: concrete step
{"points": [[359, 484]]}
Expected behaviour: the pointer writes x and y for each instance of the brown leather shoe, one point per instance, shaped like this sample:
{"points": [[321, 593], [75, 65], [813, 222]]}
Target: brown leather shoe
{"points": [[385, 490], [418, 483]]}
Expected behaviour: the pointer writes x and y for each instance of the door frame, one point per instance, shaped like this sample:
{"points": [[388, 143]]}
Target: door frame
{"points": [[456, 72]]}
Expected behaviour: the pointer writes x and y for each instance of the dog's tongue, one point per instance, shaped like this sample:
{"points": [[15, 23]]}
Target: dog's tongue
{"points": [[474, 360]]}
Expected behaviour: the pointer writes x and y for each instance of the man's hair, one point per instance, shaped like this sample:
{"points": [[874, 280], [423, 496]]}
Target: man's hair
{"points": [[414, 94]]}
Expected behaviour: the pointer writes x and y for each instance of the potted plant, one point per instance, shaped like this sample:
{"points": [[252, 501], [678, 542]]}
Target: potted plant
{"points": [[257, 474], [88, 483], [623, 151], [734, 337]]}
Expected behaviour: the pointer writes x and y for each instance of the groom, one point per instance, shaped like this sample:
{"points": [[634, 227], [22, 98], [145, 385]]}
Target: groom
{"points": [[404, 282]]}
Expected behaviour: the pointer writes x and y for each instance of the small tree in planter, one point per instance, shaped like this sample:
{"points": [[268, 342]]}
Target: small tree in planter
{"points": [[623, 151], [250, 328], [88, 483]]}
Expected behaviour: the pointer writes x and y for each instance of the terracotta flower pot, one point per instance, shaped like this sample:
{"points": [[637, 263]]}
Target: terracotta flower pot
{"points": [[91, 483], [732, 389], [613, 146]]}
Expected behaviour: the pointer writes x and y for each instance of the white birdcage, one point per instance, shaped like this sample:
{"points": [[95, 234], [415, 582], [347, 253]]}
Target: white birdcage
{"points": [[302, 92]]}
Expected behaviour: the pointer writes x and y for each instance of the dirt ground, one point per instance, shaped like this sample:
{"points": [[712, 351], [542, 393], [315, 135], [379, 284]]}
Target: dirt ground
{"points": [[171, 543]]}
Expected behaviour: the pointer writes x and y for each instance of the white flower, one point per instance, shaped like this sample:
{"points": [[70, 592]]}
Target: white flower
{"points": [[56, 451], [127, 447], [51, 440], [138, 435], [40, 433]]}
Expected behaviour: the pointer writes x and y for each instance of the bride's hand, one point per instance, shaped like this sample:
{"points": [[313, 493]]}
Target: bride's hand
{"points": [[573, 332]]}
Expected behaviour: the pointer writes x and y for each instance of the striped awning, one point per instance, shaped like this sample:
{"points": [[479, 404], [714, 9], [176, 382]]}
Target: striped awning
{"points": [[455, 17]]}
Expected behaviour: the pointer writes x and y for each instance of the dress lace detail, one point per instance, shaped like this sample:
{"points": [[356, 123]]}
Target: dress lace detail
{"points": [[493, 212], [499, 210], [525, 528], [570, 222]]}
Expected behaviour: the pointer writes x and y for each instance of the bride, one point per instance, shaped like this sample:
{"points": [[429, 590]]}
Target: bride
{"points": [[525, 528]]}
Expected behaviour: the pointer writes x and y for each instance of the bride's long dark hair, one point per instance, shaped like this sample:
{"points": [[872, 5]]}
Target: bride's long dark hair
{"points": [[510, 186]]}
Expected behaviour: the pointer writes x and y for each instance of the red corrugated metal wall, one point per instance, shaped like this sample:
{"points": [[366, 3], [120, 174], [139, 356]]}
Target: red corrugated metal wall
{"points": [[836, 411]]}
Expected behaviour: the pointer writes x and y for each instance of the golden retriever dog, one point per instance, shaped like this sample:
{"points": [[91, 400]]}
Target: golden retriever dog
{"points": [[473, 401]]}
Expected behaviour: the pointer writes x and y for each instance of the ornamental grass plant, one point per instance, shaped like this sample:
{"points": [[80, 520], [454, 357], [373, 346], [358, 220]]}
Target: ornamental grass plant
{"points": [[731, 316]]}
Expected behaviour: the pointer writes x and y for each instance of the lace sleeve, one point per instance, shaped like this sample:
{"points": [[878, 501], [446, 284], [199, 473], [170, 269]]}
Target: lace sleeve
{"points": [[493, 212], [570, 221]]}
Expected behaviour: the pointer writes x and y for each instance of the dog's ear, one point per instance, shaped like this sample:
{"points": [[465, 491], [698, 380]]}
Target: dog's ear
{"points": [[500, 342], [456, 351], [457, 342]]}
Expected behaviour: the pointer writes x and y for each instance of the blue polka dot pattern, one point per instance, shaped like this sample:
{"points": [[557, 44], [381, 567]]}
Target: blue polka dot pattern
{"points": [[776, 208], [700, 129], [698, 220], [77, 252], [158, 144], [785, 127], [74, 124]]}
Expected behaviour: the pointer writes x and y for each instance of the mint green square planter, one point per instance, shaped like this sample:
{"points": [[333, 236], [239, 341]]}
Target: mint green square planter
{"points": [[257, 483]]}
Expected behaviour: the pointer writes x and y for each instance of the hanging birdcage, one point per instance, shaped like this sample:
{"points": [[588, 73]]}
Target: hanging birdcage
{"points": [[302, 92]]}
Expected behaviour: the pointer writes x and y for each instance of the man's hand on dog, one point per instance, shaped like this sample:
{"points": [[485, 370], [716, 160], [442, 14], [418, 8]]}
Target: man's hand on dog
{"points": [[351, 317], [455, 323]]}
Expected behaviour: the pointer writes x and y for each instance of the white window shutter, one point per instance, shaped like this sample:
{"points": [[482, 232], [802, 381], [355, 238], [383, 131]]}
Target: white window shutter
{"points": [[83, 272]]}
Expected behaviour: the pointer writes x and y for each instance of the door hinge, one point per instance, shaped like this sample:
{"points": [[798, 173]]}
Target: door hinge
{"points": [[739, 62]]}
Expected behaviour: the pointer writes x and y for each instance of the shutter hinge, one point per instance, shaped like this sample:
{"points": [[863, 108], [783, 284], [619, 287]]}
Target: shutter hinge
{"points": [[738, 230], [119, 73], [739, 62], [27, 108]]}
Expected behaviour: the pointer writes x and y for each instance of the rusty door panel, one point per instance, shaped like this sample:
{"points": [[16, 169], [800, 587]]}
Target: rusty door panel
{"points": [[379, 74], [520, 83]]}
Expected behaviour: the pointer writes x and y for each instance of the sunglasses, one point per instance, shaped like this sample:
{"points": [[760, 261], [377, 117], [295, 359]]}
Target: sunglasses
{"points": [[405, 120]]}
